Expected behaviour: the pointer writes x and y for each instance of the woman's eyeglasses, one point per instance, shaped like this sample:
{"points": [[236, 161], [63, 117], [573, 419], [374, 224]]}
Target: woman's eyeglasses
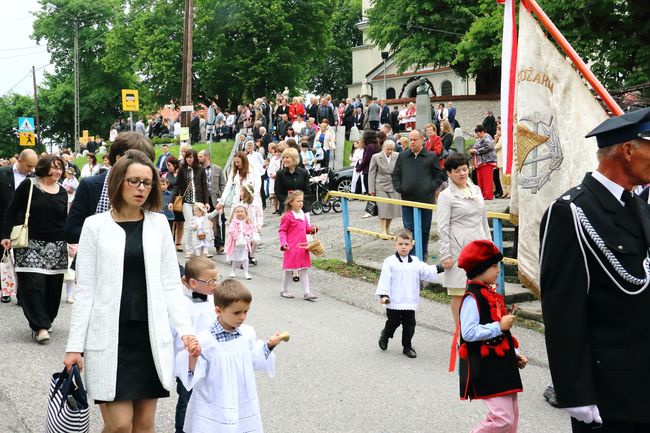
{"points": [[135, 182]]}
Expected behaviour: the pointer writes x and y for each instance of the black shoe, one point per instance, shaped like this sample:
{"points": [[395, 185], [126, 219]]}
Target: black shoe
{"points": [[252, 261], [5, 299], [549, 395], [383, 341], [410, 352]]}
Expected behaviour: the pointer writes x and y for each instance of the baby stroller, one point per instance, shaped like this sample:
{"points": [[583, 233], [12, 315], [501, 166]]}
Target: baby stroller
{"points": [[319, 182]]}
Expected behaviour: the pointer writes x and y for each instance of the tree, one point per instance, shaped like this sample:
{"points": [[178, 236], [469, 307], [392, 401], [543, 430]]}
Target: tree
{"points": [[332, 71], [99, 86], [612, 35], [12, 107]]}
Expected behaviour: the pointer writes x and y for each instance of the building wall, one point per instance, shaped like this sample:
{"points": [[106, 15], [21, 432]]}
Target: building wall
{"points": [[470, 113], [364, 58]]}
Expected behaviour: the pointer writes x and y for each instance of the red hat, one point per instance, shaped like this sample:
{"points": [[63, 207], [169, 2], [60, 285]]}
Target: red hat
{"points": [[478, 256]]}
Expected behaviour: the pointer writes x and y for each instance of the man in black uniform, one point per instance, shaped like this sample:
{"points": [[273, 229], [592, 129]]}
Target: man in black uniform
{"points": [[595, 277]]}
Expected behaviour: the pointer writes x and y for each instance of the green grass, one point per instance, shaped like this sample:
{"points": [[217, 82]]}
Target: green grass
{"points": [[218, 151], [341, 268]]}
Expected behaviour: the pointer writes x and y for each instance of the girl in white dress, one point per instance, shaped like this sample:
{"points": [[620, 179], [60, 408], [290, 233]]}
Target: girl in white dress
{"points": [[238, 239], [256, 215], [202, 235]]}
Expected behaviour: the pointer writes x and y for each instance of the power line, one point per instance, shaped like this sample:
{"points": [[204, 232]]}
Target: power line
{"points": [[23, 79], [21, 48], [22, 55]]}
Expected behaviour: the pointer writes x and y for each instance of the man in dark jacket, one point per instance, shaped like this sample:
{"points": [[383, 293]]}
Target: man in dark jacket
{"points": [[417, 176], [348, 117], [595, 240], [325, 112], [490, 124], [195, 128]]}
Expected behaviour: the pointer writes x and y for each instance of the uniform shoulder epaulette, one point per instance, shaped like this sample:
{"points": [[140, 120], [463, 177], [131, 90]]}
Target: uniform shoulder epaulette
{"points": [[571, 194]]}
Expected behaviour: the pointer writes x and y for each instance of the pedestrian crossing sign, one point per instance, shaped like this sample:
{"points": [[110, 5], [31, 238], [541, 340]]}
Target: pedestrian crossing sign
{"points": [[27, 139], [26, 124]]}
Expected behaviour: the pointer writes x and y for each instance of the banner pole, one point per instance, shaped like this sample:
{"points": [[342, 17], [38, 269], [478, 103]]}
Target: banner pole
{"points": [[573, 55]]}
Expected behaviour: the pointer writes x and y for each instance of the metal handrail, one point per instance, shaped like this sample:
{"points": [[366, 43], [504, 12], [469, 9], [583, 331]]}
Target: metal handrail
{"points": [[497, 226]]}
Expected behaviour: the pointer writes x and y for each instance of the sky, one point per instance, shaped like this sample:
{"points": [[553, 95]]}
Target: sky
{"points": [[18, 52]]}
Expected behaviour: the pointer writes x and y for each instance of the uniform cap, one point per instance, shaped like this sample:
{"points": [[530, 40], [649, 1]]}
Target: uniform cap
{"points": [[619, 129]]}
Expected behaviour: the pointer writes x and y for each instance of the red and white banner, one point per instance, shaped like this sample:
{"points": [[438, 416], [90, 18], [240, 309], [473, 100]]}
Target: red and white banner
{"points": [[508, 82]]}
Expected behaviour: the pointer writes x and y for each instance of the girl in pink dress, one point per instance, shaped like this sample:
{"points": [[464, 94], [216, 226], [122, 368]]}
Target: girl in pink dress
{"points": [[293, 231], [238, 239]]}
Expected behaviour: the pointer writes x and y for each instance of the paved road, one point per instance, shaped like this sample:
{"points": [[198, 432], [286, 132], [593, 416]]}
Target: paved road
{"points": [[331, 377]]}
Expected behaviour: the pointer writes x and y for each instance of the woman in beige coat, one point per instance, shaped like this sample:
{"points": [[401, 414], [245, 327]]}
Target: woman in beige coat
{"points": [[461, 218], [380, 184]]}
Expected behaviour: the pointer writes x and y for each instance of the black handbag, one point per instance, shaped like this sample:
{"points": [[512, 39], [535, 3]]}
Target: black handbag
{"points": [[372, 209], [67, 409]]}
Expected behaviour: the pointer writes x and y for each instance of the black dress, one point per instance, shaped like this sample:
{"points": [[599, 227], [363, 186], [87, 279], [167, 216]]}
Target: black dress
{"points": [[137, 378]]}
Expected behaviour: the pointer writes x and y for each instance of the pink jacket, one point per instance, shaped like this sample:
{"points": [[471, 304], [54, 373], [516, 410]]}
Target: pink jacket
{"points": [[293, 232], [233, 234]]}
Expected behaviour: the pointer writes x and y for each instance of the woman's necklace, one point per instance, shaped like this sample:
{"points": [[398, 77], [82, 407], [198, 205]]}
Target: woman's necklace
{"points": [[52, 188]]}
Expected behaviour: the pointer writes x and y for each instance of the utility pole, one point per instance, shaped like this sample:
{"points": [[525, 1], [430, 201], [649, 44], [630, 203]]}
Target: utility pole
{"points": [[76, 87], [186, 90], [37, 121]]}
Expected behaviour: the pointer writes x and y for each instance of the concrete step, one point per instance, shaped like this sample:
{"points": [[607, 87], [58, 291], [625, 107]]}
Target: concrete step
{"points": [[516, 294], [531, 310]]}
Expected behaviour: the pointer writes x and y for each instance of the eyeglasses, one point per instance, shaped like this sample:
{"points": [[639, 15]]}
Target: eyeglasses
{"points": [[135, 182], [209, 282]]}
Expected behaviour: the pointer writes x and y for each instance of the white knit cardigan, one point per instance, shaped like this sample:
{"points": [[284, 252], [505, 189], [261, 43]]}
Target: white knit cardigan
{"points": [[94, 325]]}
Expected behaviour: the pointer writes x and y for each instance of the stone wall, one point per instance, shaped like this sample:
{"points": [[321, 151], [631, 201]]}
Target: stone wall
{"points": [[471, 113]]}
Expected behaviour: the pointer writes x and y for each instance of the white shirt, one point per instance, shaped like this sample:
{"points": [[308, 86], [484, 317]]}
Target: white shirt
{"points": [[18, 177], [400, 280], [616, 189]]}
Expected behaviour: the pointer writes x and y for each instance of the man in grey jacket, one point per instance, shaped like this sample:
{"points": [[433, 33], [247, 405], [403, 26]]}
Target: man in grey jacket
{"points": [[374, 114], [216, 183]]}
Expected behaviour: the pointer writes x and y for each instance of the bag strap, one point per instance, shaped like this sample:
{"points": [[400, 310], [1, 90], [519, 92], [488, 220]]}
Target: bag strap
{"points": [[29, 200]]}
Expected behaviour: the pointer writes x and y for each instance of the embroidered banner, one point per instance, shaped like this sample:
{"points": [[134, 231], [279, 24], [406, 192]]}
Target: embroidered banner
{"points": [[554, 111]]}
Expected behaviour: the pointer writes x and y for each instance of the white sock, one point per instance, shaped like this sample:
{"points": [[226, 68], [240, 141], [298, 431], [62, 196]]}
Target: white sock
{"points": [[245, 265], [69, 288], [304, 280], [286, 278]]}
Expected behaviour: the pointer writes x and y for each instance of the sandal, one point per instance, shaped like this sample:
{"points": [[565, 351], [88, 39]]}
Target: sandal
{"points": [[287, 295], [296, 276], [310, 297]]}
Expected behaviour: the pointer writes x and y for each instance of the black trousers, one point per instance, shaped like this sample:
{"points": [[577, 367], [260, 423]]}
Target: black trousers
{"points": [[218, 225], [348, 127], [498, 189], [609, 427], [40, 296], [181, 405], [406, 318], [374, 125]]}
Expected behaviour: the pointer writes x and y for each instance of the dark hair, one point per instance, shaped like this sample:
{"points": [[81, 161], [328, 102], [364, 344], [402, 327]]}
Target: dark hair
{"points": [[195, 266], [45, 163], [455, 160], [118, 174], [130, 140], [93, 157], [479, 128], [369, 137], [173, 161], [192, 152], [230, 291]]}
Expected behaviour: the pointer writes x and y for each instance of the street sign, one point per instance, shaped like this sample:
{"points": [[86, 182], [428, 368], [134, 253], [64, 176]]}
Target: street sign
{"points": [[130, 100], [185, 134], [26, 124], [27, 139], [185, 108]]}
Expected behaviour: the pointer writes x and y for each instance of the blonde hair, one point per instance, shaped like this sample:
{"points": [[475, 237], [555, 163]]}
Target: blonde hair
{"points": [[247, 193], [292, 153], [234, 209], [293, 195], [200, 206]]}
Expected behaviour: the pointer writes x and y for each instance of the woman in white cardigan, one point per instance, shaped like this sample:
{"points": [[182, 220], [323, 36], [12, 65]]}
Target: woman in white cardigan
{"points": [[461, 218], [327, 138], [128, 287], [241, 172]]}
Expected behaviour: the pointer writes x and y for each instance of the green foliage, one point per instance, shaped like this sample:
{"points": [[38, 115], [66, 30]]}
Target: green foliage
{"points": [[332, 70], [612, 35], [99, 86], [12, 107]]}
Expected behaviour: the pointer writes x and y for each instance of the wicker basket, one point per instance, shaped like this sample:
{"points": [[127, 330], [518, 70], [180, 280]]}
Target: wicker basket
{"points": [[316, 247]]}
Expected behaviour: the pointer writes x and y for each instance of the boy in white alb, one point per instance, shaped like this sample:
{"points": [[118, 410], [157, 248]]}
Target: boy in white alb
{"points": [[399, 290], [222, 377], [200, 278]]}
